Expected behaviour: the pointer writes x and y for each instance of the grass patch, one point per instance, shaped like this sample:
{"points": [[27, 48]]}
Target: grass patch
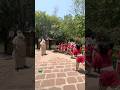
{"points": [[40, 70]]}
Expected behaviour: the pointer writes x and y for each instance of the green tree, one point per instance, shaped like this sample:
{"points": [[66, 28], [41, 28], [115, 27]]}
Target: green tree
{"points": [[103, 14], [68, 28]]}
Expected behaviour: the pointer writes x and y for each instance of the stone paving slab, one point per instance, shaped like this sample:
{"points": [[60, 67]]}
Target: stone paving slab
{"points": [[58, 72], [5, 57], [12, 80]]}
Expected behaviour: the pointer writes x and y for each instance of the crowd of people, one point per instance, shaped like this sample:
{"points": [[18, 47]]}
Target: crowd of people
{"points": [[69, 48], [99, 57]]}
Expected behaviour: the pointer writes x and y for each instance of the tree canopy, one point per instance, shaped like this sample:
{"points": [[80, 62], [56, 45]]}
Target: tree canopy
{"points": [[71, 27], [103, 18]]}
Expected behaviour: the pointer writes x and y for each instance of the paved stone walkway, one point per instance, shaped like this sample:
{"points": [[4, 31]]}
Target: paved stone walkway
{"points": [[12, 80], [57, 72], [5, 57]]}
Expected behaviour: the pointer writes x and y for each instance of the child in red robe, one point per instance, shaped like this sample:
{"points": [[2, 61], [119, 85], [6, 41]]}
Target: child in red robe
{"points": [[66, 45], [76, 50], [102, 58], [89, 50], [80, 58], [110, 78], [68, 48], [72, 47], [88, 58], [58, 47], [62, 47]]}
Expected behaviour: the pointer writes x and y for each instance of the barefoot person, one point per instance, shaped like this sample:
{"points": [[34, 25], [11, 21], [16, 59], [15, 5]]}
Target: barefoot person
{"points": [[43, 47], [19, 51]]}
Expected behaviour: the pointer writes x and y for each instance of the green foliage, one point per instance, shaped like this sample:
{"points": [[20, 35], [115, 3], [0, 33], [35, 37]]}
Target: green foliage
{"points": [[15, 13], [71, 27], [104, 14], [46, 25], [9, 12]]}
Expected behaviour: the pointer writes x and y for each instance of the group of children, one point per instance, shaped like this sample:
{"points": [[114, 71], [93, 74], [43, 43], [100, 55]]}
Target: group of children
{"points": [[110, 74], [75, 50], [66, 47], [105, 60], [99, 57]]}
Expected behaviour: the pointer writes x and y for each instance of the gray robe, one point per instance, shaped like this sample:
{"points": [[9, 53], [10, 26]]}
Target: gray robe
{"points": [[43, 47], [19, 52]]}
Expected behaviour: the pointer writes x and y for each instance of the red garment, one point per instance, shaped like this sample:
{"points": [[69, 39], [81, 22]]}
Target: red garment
{"points": [[72, 47], [76, 51], [101, 61], [58, 47], [94, 54], [66, 45], [80, 59], [109, 78], [88, 59], [118, 68], [110, 52], [88, 53], [88, 56], [62, 48], [89, 47]]}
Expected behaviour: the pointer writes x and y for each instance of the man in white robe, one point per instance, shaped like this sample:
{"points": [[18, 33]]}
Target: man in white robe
{"points": [[19, 51], [43, 47]]}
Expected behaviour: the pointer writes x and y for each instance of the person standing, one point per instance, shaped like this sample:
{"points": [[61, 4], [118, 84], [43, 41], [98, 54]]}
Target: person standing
{"points": [[43, 47], [19, 51]]}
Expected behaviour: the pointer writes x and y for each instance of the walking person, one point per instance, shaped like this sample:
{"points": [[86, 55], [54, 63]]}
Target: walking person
{"points": [[43, 47], [19, 51]]}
